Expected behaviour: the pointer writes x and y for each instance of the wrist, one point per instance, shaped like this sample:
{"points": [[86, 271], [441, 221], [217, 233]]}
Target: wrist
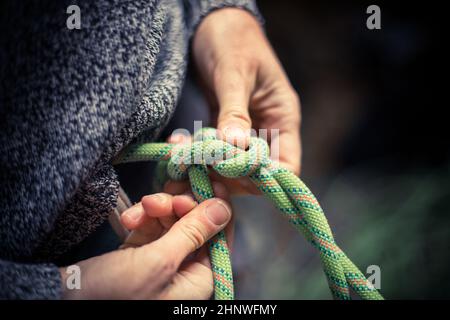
{"points": [[68, 292], [225, 30], [83, 280]]}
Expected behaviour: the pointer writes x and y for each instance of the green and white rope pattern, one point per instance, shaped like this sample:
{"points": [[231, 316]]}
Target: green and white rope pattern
{"points": [[289, 194]]}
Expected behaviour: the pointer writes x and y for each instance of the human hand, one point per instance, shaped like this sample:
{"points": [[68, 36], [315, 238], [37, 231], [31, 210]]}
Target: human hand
{"points": [[247, 84], [153, 217], [174, 265]]}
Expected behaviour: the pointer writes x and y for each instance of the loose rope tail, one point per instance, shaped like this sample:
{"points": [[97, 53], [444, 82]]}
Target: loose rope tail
{"points": [[289, 194]]}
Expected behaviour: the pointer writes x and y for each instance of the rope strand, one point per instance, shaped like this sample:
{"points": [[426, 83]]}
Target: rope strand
{"points": [[288, 193]]}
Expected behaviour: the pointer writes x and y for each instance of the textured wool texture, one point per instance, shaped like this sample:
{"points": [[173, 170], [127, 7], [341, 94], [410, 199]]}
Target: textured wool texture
{"points": [[70, 100]]}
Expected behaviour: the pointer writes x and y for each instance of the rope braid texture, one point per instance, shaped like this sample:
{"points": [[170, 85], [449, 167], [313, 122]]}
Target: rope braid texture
{"points": [[289, 194]]}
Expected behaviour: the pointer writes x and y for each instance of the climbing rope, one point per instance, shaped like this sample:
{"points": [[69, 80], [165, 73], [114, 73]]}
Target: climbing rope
{"points": [[289, 194]]}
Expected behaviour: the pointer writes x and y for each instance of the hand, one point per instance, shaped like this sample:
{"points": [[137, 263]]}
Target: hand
{"points": [[246, 83], [153, 217], [175, 265]]}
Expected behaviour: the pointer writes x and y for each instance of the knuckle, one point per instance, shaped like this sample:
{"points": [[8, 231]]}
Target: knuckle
{"points": [[294, 103], [236, 115], [193, 234], [233, 72]]}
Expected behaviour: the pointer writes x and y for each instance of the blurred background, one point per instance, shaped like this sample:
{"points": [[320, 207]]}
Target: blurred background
{"points": [[375, 152]]}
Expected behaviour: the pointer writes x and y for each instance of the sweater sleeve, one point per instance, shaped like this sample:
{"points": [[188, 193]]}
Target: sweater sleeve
{"points": [[196, 10], [29, 281]]}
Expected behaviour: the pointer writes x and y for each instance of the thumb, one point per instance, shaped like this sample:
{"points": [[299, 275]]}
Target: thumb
{"points": [[195, 228], [233, 90]]}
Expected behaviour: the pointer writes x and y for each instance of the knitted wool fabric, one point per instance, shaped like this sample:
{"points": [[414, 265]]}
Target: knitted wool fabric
{"points": [[70, 100]]}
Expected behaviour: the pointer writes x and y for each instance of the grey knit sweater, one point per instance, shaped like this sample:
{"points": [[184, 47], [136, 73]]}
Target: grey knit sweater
{"points": [[70, 100]]}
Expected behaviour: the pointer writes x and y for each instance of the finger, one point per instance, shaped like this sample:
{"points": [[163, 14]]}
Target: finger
{"points": [[237, 186], [248, 186], [221, 191], [194, 229], [288, 144], [151, 206], [285, 145], [193, 279], [132, 217], [183, 187], [176, 187], [146, 233], [233, 89], [156, 215], [182, 204], [229, 233], [157, 205], [179, 138]]}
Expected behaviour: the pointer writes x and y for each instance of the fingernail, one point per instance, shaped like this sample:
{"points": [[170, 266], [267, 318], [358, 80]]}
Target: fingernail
{"points": [[234, 131], [218, 213], [236, 135], [175, 138], [134, 213], [178, 138]]}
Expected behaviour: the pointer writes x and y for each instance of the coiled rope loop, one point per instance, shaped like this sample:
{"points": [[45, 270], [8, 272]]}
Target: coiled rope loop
{"points": [[288, 193]]}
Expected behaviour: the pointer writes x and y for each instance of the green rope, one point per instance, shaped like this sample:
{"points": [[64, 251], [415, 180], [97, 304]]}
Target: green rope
{"points": [[289, 194]]}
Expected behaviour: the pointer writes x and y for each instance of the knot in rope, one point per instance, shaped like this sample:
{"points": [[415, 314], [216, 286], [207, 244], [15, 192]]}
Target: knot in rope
{"points": [[287, 192], [226, 159]]}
